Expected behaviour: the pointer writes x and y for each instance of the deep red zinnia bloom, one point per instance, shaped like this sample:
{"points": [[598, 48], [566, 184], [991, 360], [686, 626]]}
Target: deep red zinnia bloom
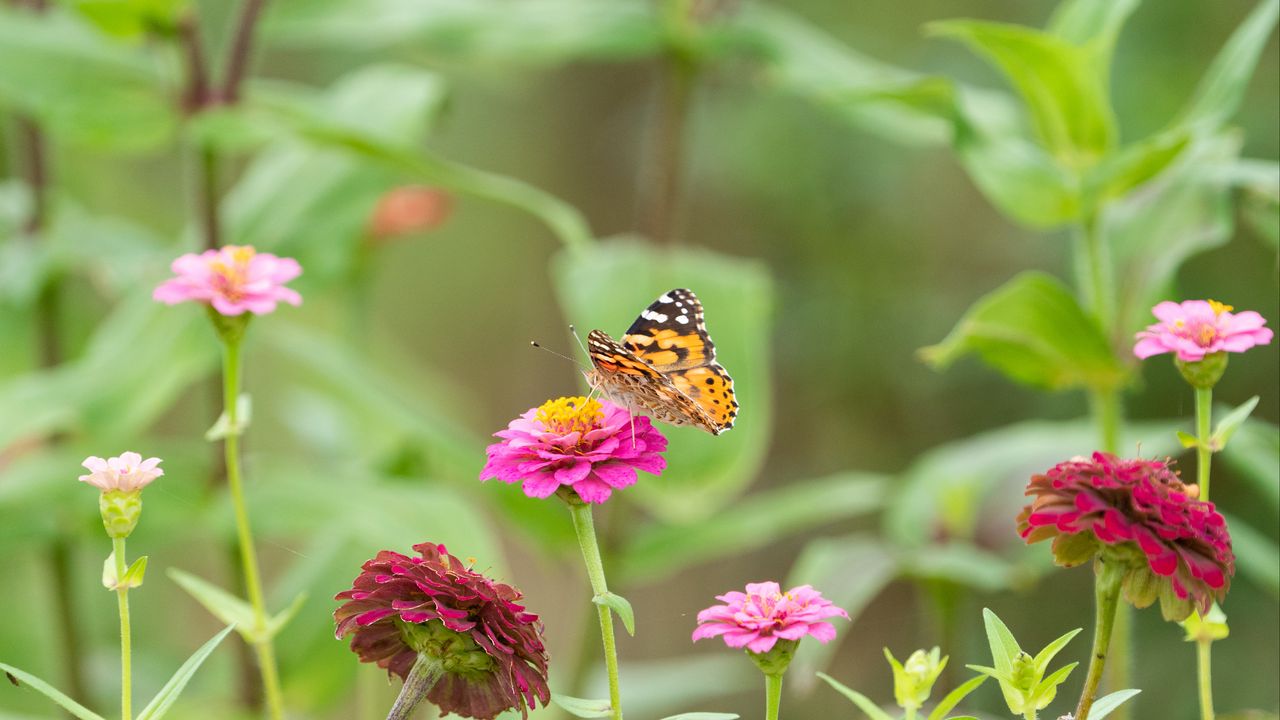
{"points": [[1134, 510], [491, 646]]}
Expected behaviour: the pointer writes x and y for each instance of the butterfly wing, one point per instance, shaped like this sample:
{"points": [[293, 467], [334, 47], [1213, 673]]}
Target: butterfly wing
{"points": [[636, 385], [671, 336]]}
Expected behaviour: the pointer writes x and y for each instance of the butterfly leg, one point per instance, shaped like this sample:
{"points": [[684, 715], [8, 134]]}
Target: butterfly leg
{"points": [[632, 419]]}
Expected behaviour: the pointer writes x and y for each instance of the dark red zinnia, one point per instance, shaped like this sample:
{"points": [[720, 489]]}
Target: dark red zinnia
{"points": [[491, 648], [1134, 510]]}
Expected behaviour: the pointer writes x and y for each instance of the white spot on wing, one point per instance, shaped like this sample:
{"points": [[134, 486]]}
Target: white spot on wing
{"points": [[683, 320], [654, 316], [664, 297]]}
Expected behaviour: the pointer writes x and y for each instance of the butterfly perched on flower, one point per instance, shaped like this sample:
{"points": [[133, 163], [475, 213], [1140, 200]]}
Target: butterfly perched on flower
{"points": [[665, 366]]}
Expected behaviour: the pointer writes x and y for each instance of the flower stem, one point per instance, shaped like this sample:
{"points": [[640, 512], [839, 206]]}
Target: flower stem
{"points": [[586, 530], [423, 676], [126, 639], [1204, 672], [772, 696], [262, 644], [1204, 409], [1107, 590]]}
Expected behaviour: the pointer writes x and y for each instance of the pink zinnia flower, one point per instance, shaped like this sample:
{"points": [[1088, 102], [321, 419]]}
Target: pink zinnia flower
{"points": [[573, 442], [763, 615], [490, 648], [127, 473], [1139, 513], [234, 280], [1196, 328]]}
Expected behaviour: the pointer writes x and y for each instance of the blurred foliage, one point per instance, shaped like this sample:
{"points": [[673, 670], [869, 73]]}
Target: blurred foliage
{"points": [[824, 256]]}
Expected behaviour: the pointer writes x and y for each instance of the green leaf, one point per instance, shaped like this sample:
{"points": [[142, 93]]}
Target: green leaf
{"points": [[1063, 85], [579, 707], [1223, 86], [221, 604], [662, 549], [132, 19], [137, 571], [1016, 175], [1004, 648], [1257, 556], [703, 716], [1255, 453], [960, 562], [621, 606], [1187, 440], [954, 697], [1231, 422], [79, 85], [1107, 704], [51, 692], [1048, 686], [608, 284], [1134, 166], [169, 694], [222, 427], [1044, 657], [1034, 331], [1085, 22], [277, 622], [864, 703]]}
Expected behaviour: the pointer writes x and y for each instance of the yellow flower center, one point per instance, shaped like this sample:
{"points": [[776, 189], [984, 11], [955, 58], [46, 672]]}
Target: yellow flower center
{"points": [[570, 414], [234, 273], [1219, 308]]}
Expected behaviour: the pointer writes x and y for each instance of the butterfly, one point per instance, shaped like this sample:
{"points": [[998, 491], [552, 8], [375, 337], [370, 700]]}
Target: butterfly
{"points": [[665, 366]]}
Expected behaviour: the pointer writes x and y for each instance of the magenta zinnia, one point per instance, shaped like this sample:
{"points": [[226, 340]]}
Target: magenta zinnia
{"points": [[233, 280], [589, 446], [490, 646], [763, 615], [1196, 328], [1139, 513]]}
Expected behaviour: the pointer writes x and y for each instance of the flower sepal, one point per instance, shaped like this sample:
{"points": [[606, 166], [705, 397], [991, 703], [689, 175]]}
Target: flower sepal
{"points": [[1207, 628], [776, 660], [132, 577], [230, 328], [1203, 374], [120, 511]]}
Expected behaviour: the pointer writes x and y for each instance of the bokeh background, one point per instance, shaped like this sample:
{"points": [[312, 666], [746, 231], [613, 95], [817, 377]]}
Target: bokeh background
{"points": [[830, 232]]}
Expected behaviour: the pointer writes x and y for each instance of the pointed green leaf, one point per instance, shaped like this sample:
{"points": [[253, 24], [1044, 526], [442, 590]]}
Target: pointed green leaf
{"points": [[872, 710], [579, 707], [110, 580], [1004, 648], [1055, 679], [134, 575], [50, 692], [1223, 86], [988, 672], [223, 605], [954, 697], [1187, 440], [621, 606], [1097, 22], [1046, 655], [1135, 165], [276, 623], [222, 426], [1228, 425], [1062, 85], [168, 694], [1034, 331], [1104, 705]]}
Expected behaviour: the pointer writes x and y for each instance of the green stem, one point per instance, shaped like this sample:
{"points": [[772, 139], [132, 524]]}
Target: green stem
{"points": [[262, 644], [585, 528], [1204, 672], [1204, 409], [126, 636], [423, 676], [1107, 591], [1105, 405], [772, 696]]}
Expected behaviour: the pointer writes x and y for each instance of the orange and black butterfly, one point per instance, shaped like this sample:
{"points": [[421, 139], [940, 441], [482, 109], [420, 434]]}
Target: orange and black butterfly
{"points": [[665, 367]]}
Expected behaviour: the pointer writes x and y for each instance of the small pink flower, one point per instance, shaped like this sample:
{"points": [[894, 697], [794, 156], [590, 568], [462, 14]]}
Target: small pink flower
{"points": [[763, 615], [234, 280], [573, 442], [126, 473], [1196, 328]]}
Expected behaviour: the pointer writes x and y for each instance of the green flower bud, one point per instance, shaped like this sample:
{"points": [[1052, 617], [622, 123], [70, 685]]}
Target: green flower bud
{"points": [[913, 681], [120, 511]]}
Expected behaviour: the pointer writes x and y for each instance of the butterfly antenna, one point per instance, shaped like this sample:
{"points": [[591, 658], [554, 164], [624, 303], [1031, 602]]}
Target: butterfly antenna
{"points": [[534, 343], [574, 332]]}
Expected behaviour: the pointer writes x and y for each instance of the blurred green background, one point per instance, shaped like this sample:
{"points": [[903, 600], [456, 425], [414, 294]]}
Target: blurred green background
{"points": [[822, 217]]}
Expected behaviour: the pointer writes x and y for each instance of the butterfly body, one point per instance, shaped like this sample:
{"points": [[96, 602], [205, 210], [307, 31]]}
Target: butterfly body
{"points": [[665, 366]]}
